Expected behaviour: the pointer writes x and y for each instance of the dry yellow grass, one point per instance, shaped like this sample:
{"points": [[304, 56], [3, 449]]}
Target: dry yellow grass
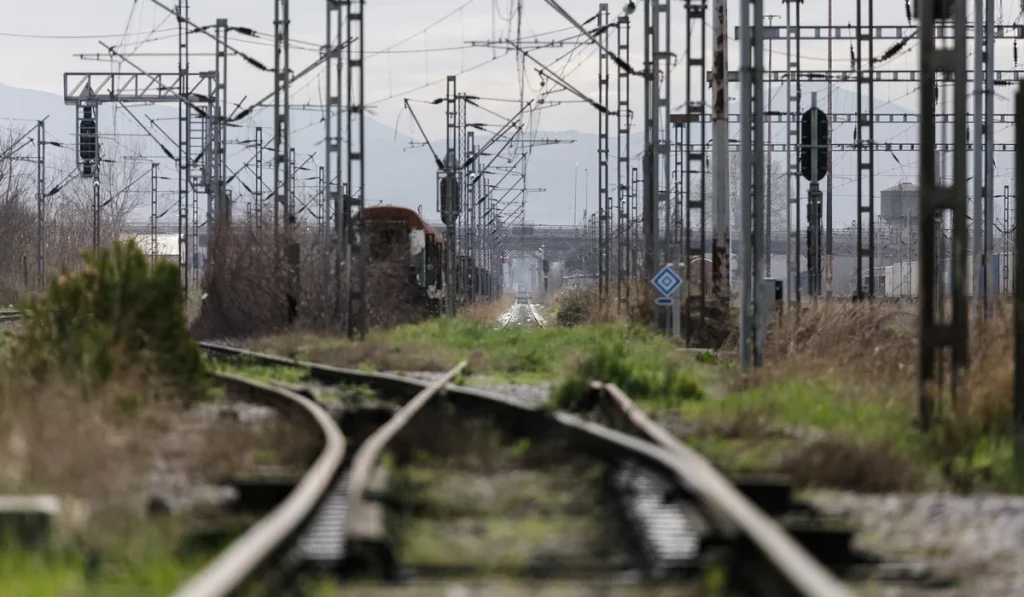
{"points": [[873, 348], [487, 312]]}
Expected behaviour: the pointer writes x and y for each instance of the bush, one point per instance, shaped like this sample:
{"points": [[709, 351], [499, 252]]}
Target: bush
{"points": [[644, 377], [116, 314], [573, 307]]}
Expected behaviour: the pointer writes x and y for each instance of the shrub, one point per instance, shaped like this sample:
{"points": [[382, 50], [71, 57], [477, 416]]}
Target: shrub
{"points": [[573, 307], [116, 314], [644, 377]]}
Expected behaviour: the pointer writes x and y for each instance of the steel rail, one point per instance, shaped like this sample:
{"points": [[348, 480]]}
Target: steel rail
{"points": [[726, 507], [535, 315], [800, 568], [244, 557], [366, 458]]}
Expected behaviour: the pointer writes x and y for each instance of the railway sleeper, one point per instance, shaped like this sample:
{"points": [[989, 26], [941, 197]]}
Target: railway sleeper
{"points": [[369, 550], [667, 531]]}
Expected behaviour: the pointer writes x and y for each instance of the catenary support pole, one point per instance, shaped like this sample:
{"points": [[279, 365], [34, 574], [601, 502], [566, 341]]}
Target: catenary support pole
{"points": [[978, 167], [1018, 306], [720, 218], [333, 115], [937, 199], [40, 197], [990, 64]]}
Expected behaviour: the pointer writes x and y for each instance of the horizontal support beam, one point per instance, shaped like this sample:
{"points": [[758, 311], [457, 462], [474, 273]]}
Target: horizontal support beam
{"points": [[525, 45], [881, 76], [851, 118], [849, 32], [131, 87], [878, 146]]}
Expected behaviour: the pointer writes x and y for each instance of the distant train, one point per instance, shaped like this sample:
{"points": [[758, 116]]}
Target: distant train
{"points": [[401, 244]]}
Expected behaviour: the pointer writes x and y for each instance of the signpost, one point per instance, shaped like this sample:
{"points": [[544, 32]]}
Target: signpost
{"points": [[667, 282]]}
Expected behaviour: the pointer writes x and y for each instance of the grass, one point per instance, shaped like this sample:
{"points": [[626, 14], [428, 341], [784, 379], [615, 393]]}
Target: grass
{"points": [[295, 375], [836, 406], [146, 559], [512, 355]]}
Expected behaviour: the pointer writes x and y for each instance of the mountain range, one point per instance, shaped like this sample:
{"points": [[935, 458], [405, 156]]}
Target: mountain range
{"points": [[401, 173]]}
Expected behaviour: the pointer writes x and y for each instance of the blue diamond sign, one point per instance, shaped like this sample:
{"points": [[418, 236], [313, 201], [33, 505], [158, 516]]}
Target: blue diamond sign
{"points": [[666, 281]]}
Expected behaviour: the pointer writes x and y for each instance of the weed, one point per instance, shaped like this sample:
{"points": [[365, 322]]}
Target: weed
{"points": [[707, 357], [644, 377]]}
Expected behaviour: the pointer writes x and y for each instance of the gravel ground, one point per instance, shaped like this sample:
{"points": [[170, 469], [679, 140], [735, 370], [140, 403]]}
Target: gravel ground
{"points": [[520, 315], [978, 540], [171, 479]]}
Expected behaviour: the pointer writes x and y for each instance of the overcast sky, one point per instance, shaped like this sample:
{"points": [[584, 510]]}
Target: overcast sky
{"points": [[412, 45], [405, 28]]}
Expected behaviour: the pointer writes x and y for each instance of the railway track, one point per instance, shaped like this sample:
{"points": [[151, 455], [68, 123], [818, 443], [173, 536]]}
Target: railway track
{"points": [[674, 515], [516, 311], [677, 515]]}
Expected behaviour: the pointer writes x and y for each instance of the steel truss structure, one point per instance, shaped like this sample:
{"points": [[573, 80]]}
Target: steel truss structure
{"points": [[751, 183], [623, 116], [937, 201], [793, 77], [333, 115], [355, 199], [691, 169], [1005, 77], [40, 200], [865, 141], [604, 201]]}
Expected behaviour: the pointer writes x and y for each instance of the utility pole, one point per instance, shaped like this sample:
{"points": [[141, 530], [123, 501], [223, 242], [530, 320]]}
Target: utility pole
{"points": [[866, 149], [184, 146], [794, 101], [828, 183], [751, 182], [448, 191], [978, 226], [937, 200], [622, 118], [768, 169], [1018, 303], [258, 198], [221, 216], [990, 65], [694, 238], [720, 221], [355, 199], [470, 204], [40, 197], [603, 196], [284, 218], [153, 214]]}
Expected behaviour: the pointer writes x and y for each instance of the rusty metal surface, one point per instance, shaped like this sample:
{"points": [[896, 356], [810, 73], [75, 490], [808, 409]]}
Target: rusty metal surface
{"points": [[782, 559], [805, 574]]}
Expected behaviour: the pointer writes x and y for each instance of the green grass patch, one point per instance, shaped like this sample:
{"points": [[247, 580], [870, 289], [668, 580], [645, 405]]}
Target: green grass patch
{"points": [[643, 369], [823, 433], [260, 372], [546, 352], [145, 560]]}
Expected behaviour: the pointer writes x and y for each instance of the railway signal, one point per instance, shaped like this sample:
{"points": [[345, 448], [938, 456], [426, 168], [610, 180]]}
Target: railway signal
{"points": [[814, 166], [813, 144]]}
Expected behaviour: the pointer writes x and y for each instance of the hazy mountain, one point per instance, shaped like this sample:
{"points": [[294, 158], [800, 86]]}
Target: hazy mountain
{"points": [[400, 174]]}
